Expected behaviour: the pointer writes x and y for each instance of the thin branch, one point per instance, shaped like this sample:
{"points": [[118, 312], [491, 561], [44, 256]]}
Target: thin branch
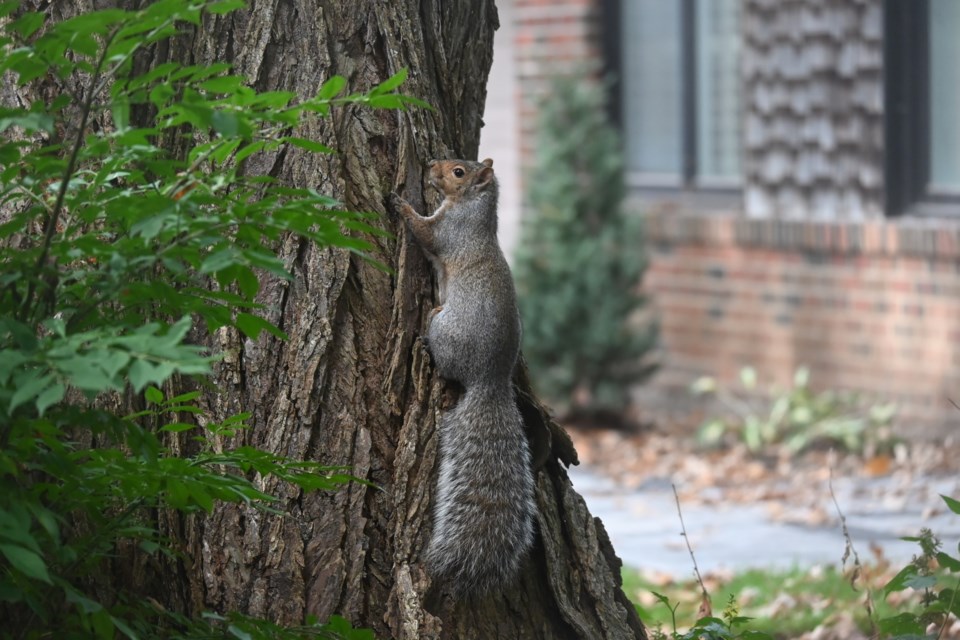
{"points": [[850, 550], [686, 539], [53, 218]]}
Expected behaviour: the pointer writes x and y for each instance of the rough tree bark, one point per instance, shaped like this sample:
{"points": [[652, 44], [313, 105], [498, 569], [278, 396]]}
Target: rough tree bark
{"points": [[353, 385]]}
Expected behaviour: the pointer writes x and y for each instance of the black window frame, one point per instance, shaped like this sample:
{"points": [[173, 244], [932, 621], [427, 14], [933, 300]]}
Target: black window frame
{"points": [[907, 123], [689, 187]]}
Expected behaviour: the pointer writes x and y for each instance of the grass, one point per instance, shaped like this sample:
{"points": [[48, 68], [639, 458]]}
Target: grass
{"points": [[783, 603]]}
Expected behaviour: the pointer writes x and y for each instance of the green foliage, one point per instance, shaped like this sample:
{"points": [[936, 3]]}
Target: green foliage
{"points": [[812, 600], [796, 418], [935, 576], [117, 255], [784, 603], [581, 259], [708, 627]]}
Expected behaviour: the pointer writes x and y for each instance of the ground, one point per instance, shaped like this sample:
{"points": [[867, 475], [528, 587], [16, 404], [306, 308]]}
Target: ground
{"points": [[773, 511]]}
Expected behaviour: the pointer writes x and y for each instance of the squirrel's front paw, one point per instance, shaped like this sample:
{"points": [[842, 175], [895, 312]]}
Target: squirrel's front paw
{"points": [[395, 202]]}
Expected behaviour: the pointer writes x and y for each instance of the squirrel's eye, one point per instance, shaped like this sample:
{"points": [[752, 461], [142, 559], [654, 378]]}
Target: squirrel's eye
{"points": [[458, 172]]}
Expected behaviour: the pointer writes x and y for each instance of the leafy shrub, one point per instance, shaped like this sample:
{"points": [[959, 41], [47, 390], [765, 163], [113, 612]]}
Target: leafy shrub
{"points": [[581, 259], [796, 417], [935, 576], [112, 248]]}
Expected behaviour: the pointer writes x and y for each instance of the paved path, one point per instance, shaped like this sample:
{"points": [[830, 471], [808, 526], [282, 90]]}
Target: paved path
{"points": [[645, 530]]}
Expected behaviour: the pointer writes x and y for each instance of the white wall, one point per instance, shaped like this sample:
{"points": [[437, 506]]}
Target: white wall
{"points": [[498, 138]]}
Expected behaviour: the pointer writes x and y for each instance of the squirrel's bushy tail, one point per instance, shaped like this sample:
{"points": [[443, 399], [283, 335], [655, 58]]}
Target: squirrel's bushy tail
{"points": [[483, 518]]}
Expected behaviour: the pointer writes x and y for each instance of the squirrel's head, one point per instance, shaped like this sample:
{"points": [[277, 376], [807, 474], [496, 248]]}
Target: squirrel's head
{"points": [[456, 178]]}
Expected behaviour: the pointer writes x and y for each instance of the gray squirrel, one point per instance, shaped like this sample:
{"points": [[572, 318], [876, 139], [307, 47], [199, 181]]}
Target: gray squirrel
{"points": [[484, 510]]}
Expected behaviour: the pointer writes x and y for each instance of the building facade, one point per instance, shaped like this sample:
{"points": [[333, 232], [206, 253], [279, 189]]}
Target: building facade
{"points": [[798, 162]]}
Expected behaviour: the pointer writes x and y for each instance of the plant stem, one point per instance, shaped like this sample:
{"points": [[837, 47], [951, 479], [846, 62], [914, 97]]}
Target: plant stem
{"points": [[686, 539], [850, 550], [54, 216]]}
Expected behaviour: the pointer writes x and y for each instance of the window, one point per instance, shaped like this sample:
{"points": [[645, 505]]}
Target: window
{"points": [[944, 55], [922, 103], [680, 92]]}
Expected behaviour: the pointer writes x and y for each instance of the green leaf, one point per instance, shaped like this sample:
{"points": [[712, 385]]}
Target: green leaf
{"points": [[712, 431], [26, 561], [102, 623], [226, 123], [177, 494], [160, 94], [6, 8], [748, 377], [703, 385], [201, 497], [220, 260], [309, 145], [333, 86], [46, 518], [248, 282], [948, 562], [143, 372], [185, 397], [952, 504], [29, 121], [919, 583], [86, 604], [902, 624], [226, 6], [663, 599], [252, 326], [950, 601], [27, 24], [28, 386], [123, 628], [248, 150], [153, 395], [50, 396], [899, 581], [237, 632], [222, 84], [389, 101], [417, 102], [390, 83], [177, 427], [121, 114]]}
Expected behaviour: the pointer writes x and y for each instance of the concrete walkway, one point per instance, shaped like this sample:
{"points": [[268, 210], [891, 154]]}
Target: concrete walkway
{"points": [[645, 530]]}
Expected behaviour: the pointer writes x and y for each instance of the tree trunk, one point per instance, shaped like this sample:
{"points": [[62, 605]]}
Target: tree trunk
{"points": [[353, 385]]}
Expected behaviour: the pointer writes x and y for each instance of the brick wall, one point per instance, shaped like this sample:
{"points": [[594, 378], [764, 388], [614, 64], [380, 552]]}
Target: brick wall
{"points": [[551, 37], [870, 306]]}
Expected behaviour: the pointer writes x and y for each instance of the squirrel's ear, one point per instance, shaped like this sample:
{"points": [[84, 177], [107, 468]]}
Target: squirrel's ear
{"points": [[484, 177], [488, 162]]}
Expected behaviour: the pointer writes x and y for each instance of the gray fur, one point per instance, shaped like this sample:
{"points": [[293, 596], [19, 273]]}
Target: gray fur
{"points": [[484, 511]]}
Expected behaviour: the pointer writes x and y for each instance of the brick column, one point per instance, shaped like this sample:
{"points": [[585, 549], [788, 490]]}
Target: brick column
{"points": [[551, 38]]}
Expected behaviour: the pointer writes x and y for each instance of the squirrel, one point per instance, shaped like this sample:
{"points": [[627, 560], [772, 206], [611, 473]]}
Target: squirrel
{"points": [[483, 523]]}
